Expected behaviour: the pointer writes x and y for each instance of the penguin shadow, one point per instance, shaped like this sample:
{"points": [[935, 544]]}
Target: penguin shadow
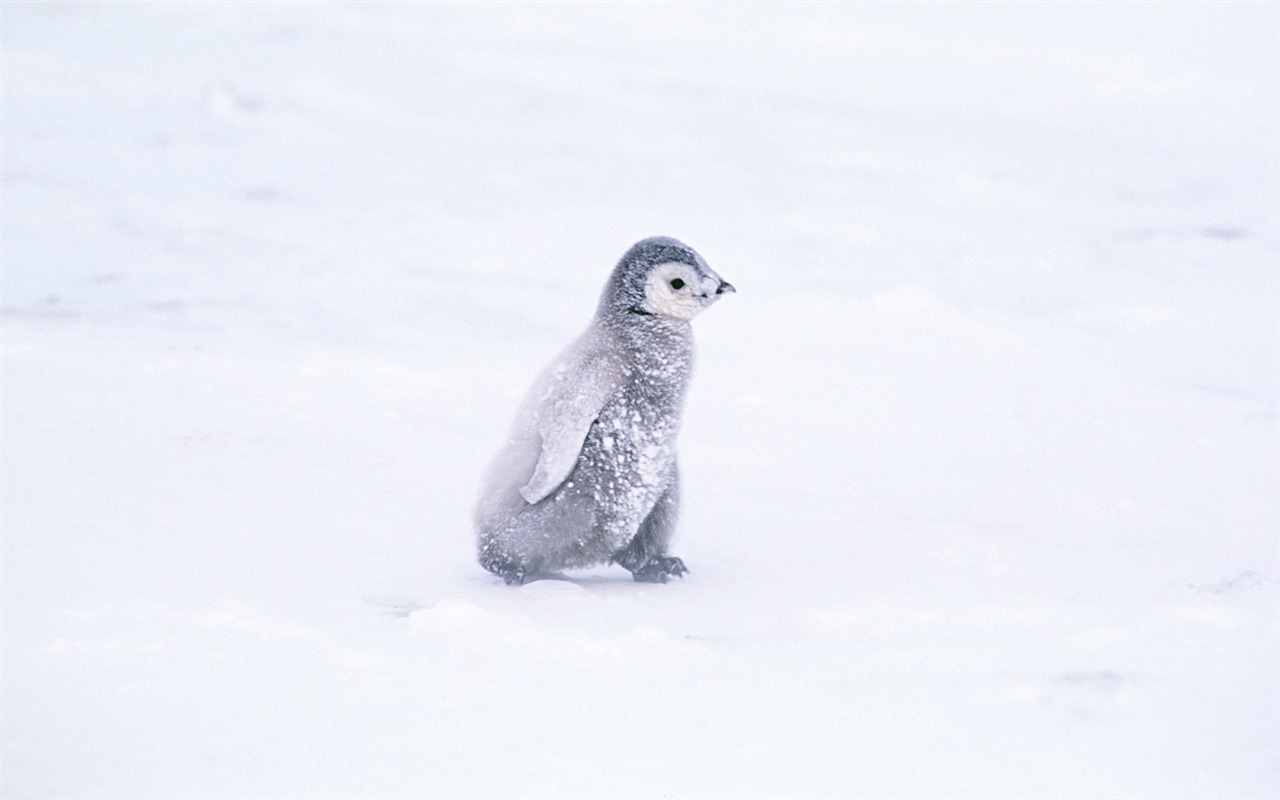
{"points": [[598, 580]]}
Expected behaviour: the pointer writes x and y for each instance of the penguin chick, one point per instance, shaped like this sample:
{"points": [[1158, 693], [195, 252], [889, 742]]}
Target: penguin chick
{"points": [[588, 474]]}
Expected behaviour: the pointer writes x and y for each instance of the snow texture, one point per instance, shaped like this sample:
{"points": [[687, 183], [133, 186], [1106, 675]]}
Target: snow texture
{"points": [[979, 466]]}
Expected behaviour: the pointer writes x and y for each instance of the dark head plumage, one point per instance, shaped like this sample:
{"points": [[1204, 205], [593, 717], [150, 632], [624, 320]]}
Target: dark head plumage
{"points": [[625, 292]]}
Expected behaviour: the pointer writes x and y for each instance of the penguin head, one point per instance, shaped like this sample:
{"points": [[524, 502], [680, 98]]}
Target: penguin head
{"points": [[662, 277]]}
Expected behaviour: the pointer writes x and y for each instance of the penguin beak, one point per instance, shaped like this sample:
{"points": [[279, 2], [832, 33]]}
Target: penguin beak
{"points": [[725, 288]]}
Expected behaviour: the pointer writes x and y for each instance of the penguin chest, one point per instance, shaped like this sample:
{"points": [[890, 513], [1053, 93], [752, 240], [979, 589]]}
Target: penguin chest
{"points": [[630, 452]]}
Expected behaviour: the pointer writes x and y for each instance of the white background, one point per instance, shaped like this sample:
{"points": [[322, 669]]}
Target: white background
{"points": [[981, 461]]}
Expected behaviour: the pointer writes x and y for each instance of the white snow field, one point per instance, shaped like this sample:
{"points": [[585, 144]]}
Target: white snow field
{"points": [[981, 463]]}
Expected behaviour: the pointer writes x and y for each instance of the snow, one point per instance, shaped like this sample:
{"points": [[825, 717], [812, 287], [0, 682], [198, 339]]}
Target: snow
{"points": [[980, 464]]}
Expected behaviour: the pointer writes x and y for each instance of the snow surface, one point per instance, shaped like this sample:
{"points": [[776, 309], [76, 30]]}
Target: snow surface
{"points": [[980, 463]]}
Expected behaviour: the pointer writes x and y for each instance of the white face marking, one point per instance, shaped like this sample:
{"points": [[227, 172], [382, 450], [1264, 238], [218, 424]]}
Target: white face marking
{"points": [[676, 290]]}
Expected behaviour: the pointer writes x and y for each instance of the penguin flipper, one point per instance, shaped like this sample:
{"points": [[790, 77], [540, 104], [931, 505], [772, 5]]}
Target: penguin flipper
{"points": [[575, 401]]}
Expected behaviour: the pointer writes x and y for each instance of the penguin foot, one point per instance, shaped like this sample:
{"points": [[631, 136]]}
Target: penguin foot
{"points": [[512, 576], [658, 569], [512, 573]]}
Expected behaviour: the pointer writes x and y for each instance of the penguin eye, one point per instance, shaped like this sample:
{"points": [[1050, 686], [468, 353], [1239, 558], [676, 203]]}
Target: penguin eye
{"points": [[676, 283]]}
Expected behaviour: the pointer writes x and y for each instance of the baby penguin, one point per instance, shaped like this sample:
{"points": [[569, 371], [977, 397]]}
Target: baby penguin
{"points": [[588, 474]]}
